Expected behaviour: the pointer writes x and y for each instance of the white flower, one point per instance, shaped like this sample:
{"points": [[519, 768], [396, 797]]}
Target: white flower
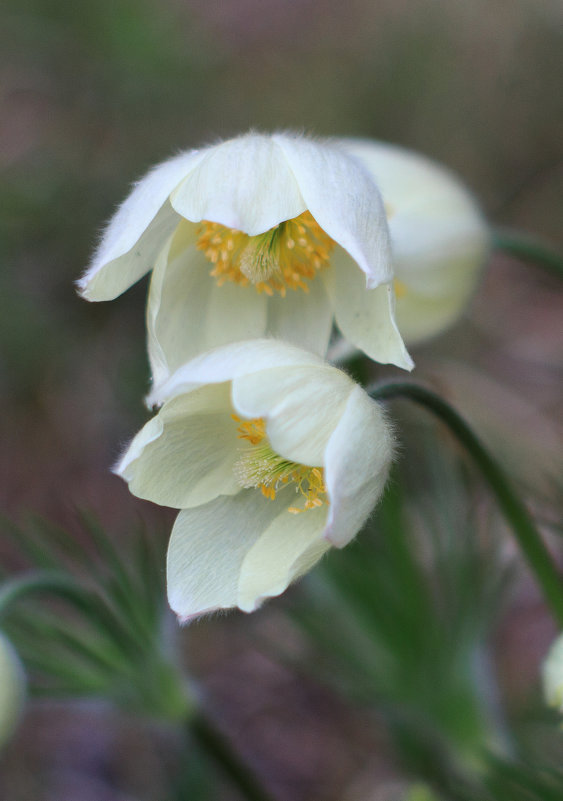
{"points": [[272, 455], [12, 689], [552, 675], [259, 235], [439, 238]]}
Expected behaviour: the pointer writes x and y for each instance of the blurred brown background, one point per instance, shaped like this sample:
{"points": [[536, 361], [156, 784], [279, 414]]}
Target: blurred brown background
{"points": [[93, 93]]}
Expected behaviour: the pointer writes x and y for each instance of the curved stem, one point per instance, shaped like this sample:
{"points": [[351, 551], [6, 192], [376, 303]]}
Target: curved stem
{"points": [[216, 745], [31, 583], [516, 514], [529, 249]]}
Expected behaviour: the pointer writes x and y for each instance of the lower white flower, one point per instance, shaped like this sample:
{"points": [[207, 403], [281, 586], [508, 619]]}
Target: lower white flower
{"points": [[272, 455], [439, 238]]}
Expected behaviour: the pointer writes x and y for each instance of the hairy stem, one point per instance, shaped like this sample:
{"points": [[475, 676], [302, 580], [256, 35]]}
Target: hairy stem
{"points": [[216, 746], [515, 513]]}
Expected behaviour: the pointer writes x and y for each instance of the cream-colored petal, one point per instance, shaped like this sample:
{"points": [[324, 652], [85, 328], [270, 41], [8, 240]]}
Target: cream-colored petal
{"points": [[302, 318], [207, 549], [185, 455], [366, 317], [287, 549], [188, 314], [357, 462], [177, 300], [244, 183], [344, 200], [137, 231], [439, 237], [231, 361], [301, 405]]}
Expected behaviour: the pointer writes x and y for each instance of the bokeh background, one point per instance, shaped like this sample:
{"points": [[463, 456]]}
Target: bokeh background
{"points": [[92, 94]]}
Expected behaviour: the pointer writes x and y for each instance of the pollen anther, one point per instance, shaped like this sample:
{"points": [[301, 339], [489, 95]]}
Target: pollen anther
{"points": [[285, 257], [260, 467]]}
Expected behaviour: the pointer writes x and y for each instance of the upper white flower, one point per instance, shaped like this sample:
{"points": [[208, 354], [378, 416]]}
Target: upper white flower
{"points": [[272, 455], [262, 234], [439, 238]]}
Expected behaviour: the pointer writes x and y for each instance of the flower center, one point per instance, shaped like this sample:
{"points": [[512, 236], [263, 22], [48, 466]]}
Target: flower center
{"points": [[283, 258], [262, 468]]}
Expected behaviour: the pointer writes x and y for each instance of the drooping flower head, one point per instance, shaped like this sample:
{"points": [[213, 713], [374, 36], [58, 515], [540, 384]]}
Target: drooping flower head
{"points": [[439, 238], [275, 235], [272, 455]]}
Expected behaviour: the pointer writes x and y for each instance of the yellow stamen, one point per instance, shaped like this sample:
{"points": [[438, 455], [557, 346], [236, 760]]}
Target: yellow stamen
{"points": [[262, 468], [285, 257]]}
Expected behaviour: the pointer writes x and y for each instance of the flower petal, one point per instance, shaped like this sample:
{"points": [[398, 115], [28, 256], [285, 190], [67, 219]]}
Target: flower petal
{"points": [[304, 319], [357, 462], [366, 316], [188, 314], [289, 547], [207, 548], [244, 183], [231, 361], [185, 455], [344, 200], [439, 237], [136, 232], [302, 406]]}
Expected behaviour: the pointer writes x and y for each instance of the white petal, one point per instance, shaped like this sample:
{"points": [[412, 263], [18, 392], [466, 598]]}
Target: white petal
{"points": [[357, 462], [344, 200], [136, 232], [289, 547], [207, 548], [302, 318], [188, 314], [185, 455], [302, 406], [230, 361], [439, 237], [244, 183], [365, 316]]}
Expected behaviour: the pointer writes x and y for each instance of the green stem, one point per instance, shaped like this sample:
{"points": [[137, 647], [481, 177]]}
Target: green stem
{"points": [[529, 249], [516, 514], [209, 739], [31, 583], [216, 746]]}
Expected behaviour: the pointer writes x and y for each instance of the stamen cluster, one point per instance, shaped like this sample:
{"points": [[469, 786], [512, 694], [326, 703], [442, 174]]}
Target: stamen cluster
{"points": [[261, 467], [283, 258]]}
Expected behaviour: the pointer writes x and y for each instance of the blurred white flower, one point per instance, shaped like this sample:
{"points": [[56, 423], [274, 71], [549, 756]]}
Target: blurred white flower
{"points": [[552, 675], [439, 238], [259, 235], [272, 455], [12, 689]]}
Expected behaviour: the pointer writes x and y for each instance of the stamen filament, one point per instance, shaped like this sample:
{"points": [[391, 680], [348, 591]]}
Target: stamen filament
{"points": [[260, 467]]}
